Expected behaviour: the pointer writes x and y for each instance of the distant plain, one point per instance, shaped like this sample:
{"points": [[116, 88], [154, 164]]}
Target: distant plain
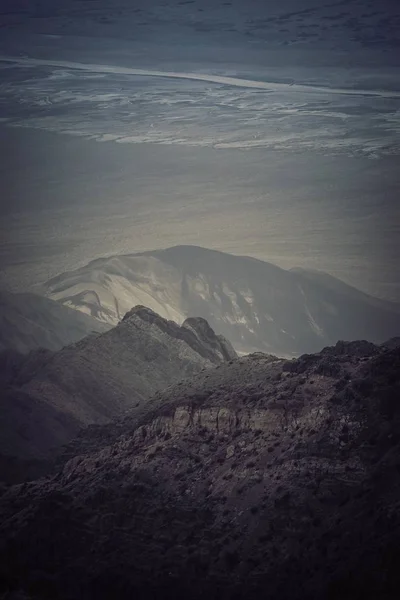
{"points": [[295, 172]]}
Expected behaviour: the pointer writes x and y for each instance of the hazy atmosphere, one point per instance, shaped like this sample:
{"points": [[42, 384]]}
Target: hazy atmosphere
{"points": [[199, 300], [268, 129]]}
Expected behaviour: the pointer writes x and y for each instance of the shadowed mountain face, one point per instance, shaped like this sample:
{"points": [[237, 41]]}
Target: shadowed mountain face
{"points": [[259, 475], [48, 396], [28, 322], [256, 305]]}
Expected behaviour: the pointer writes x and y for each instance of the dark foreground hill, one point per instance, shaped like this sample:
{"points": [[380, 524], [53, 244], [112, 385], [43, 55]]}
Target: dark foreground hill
{"points": [[48, 396], [261, 478], [254, 304]]}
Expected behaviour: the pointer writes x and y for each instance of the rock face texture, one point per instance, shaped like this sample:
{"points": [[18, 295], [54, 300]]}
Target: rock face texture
{"points": [[49, 396], [261, 477], [256, 305], [29, 322]]}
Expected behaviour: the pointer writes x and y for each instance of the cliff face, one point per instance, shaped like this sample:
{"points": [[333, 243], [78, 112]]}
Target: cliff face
{"points": [[99, 378], [260, 474]]}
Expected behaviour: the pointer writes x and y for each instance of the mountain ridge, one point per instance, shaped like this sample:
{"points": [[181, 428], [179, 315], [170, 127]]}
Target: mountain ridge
{"points": [[256, 305], [97, 378]]}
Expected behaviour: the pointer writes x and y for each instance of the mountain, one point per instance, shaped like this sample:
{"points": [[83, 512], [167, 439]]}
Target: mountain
{"points": [[260, 477], [254, 304], [48, 396], [28, 322]]}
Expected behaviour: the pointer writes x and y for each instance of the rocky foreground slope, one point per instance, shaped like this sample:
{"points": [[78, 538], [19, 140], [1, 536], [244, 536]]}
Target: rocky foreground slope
{"points": [[256, 305], [261, 478], [48, 396]]}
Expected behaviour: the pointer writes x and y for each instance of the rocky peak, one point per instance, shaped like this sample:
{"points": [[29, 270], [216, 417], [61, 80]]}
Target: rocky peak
{"points": [[195, 332], [206, 334], [141, 311]]}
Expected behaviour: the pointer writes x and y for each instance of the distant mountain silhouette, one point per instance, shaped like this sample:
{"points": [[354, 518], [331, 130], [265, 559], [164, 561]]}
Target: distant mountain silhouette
{"points": [[256, 305], [28, 322]]}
